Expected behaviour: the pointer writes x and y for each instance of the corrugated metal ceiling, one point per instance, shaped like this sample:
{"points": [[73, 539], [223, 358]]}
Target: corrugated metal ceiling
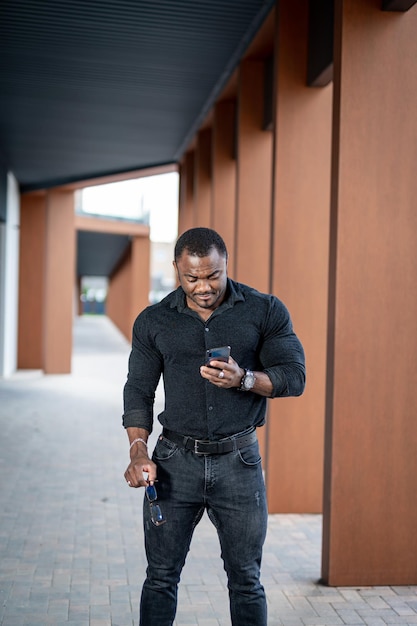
{"points": [[96, 87]]}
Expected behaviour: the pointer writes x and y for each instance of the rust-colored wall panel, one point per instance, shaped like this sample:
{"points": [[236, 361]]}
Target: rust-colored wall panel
{"points": [[224, 175], [31, 281], [129, 287], [370, 515], [300, 264], [119, 297], [254, 179], [182, 191], [141, 271], [186, 210], [203, 179], [78, 302], [59, 282]]}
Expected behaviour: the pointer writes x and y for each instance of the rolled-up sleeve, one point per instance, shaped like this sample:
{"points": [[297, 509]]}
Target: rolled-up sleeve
{"points": [[282, 354], [145, 367]]}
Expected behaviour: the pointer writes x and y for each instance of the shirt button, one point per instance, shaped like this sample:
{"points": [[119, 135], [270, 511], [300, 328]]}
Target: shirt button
{"points": [[207, 330], [210, 408]]}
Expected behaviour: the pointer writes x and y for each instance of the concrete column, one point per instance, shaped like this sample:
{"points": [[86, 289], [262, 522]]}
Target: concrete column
{"points": [[9, 272], [224, 174], [203, 179], [302, 147], [370, 513], [254, 180], [59, 274]]}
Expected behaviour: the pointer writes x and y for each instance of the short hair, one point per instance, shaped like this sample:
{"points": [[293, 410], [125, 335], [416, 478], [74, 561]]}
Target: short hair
{"points": [[199, 242]]}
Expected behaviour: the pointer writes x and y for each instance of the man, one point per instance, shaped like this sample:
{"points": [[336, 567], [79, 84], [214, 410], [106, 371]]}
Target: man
{"points": [[207, 458]]}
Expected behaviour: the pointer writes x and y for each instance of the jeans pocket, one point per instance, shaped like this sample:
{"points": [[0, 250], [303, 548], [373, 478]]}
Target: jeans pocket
{"points": [[164, 449], [250, 455]]}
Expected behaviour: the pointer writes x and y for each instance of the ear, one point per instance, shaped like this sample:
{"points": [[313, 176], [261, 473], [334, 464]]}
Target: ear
{"points": [[175, 266]]}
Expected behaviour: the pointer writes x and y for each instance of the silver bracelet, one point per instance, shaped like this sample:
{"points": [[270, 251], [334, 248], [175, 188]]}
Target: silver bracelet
{"points": [[138, 440]]}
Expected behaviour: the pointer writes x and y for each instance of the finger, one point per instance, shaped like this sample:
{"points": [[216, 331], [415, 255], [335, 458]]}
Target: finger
{"points": [[133, 478], [151, 472], [151, 477], [128, 481], [218, 364]]}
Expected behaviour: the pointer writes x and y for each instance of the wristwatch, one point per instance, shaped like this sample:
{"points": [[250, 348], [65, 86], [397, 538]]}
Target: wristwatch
{"points": [[248, 381]]}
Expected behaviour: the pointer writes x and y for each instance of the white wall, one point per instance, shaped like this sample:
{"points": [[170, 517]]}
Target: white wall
{"points": [[9, 280]]}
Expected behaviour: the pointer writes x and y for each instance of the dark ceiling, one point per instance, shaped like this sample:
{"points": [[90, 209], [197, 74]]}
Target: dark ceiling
{"points": [[90, 88], [98, 253]]}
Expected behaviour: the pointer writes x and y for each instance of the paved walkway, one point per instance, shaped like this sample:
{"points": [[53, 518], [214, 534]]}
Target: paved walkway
{"points": [[70, 530]]}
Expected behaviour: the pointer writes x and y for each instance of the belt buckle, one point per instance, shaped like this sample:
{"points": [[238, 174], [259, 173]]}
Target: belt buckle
{"points": [[196, 442]]}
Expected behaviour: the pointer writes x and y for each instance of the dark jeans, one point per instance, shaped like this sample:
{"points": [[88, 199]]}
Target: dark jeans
{"points": [[231, 488]]}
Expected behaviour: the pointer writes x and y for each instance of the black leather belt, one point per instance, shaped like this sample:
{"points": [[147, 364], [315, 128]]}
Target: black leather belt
{"points": [[201, 446]]}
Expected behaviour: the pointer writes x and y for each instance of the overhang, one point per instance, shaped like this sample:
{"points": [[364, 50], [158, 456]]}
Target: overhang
{"points": [[91, 89]]}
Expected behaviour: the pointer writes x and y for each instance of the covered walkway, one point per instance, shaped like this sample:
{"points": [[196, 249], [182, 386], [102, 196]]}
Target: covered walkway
{"points": [[70, 529]]}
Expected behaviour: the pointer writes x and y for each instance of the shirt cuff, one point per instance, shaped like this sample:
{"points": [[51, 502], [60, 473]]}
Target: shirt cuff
{"points": [[279, 382], [136, 419]]}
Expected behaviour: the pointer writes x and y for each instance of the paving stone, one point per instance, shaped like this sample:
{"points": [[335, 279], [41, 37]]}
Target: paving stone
{"points": [[71, 537]]}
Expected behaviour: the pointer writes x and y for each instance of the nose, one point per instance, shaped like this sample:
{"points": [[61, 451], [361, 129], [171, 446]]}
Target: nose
{"points": [[203, 286]]}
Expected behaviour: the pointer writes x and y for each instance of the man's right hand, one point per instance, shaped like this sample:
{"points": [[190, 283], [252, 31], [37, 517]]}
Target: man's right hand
{"points": [[140, 465]]}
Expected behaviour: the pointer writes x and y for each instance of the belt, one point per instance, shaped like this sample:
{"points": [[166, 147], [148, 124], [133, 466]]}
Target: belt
{"points": [[201, 446]]}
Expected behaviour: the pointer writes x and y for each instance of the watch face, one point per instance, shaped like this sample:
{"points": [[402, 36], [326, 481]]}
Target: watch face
{"points": [[249, 380]]}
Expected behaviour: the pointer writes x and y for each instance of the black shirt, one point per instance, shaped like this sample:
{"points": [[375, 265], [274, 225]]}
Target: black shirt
{"points": [[171, 339]]}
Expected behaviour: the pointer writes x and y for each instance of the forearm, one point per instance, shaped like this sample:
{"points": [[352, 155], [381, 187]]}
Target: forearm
{"points": [[138, 438], [263, 385], [141, 470]]}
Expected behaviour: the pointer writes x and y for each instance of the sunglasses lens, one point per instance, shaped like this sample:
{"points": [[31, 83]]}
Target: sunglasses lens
{"points": [[157, 516], [151, 493]]}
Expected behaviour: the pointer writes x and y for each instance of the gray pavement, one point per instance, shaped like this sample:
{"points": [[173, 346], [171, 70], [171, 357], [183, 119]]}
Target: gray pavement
{"points": [[71, 541]]}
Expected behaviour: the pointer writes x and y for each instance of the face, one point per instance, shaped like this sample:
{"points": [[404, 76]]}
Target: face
{"points": [[203, 279]]}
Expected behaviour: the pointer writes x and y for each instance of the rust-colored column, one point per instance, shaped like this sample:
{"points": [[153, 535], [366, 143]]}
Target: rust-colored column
{"points": [[31, 280], [203, 179], [119, 296], [140, 285], [300, 263], [186, 206], [182, 191], [254, 176], [59, 282], [224, 174], [129, 286], [370, 512], [78, 303], [250, 263]]}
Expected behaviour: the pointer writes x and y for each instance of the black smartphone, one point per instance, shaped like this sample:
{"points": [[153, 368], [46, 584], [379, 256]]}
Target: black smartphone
{"points": [[218, 354]]}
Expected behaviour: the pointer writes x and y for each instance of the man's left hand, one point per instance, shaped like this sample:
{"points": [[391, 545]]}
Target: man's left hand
{"points": [[223, 375]]}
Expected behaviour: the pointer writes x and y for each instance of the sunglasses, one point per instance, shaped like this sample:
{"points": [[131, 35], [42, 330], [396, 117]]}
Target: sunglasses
{"points": [[157, 517]]}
